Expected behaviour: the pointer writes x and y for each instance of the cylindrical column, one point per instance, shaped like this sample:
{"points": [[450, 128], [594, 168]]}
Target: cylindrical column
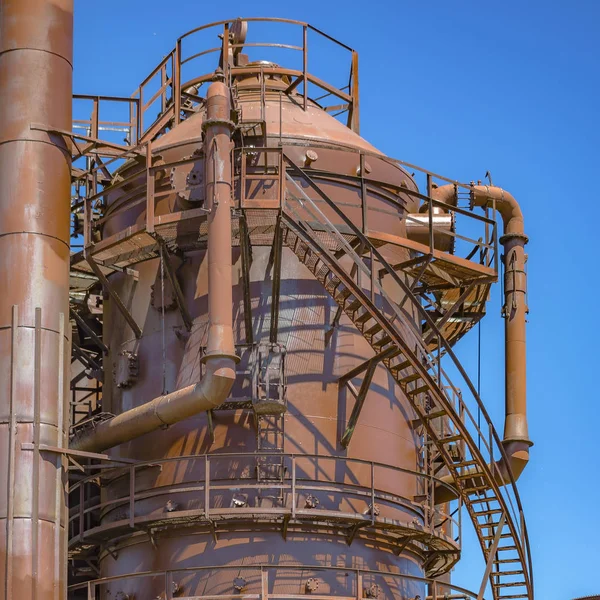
{"points": [[36, 39], [217, 152], [515, 312]]}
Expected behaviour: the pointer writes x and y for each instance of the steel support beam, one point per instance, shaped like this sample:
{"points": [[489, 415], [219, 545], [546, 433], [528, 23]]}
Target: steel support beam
{"points": [[81, 322], [115, 297], [360, 400], [179, 299], [491, 556], [277, 251], [246, 257]]}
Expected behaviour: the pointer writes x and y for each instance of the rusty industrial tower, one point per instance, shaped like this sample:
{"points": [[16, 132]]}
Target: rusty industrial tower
{"points": [[228, 329]]}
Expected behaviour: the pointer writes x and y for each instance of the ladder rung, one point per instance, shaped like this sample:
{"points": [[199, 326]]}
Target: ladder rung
{"points": [[466, 463], [409, 378], [513, 596], [373, 330], [435, 415], [342, 295], [507, 560], [471, 475], [418, 390], [386, 339], [477, 488], [502, 573], [400, 366], [451, 438], [504, 536], [352, 306], [483, 513], [510, 584], [363, 318]]}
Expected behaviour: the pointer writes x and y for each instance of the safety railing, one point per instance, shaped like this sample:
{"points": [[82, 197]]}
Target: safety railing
{"points": [[480, 435], [165, 97], [269, 582], [314, 487]]}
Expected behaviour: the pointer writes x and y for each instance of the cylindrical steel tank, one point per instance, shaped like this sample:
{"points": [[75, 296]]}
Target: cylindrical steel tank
{"points": [[209, 503]]}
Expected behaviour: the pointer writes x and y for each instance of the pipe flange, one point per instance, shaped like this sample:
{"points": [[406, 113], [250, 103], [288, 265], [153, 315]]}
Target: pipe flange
{"points": [[513, 236], [516, 438], [208, 355], [211, 122]]}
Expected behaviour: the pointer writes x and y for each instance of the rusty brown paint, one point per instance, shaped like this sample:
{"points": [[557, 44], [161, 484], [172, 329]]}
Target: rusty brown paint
{"points": [[35, 88]]}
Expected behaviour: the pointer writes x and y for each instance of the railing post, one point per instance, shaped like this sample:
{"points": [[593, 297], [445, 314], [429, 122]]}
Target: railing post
{"points": [[355, 123], [168, 585], [293, 487], [431, 508], [430, 215], [372, 493], [163, 85], [176, 76], [149, 189], [81, 506], [94, 120], [141, 113], [132, 496], [206, 486], [305, 65], [264, 584]]}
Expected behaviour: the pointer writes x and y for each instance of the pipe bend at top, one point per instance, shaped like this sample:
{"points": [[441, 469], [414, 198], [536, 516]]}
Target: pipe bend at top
{"points": [[506, 205], [516, 442]]}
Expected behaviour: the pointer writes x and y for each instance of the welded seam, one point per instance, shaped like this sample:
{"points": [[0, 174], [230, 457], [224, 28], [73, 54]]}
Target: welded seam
{"points": [[36, 233], [66, 151], [42, 50]]}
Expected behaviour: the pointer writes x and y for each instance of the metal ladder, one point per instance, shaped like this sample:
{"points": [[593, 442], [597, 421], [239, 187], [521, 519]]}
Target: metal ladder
{"points": [[416, 365], [270, 428]]}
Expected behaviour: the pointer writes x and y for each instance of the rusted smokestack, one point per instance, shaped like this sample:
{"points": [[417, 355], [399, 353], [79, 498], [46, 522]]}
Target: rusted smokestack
{"points": [[220, 355], [36, 39], [516, 436]]}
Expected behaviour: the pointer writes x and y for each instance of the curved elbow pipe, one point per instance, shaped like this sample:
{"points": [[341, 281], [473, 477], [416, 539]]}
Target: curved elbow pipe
{"points": [[220, 356], [448, 194], [164, 410], [516, 440], [515, 308]]}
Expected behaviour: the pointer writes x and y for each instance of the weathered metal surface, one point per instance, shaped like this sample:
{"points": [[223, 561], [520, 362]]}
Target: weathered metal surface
{"points": [[35, 88], [303, 254]]}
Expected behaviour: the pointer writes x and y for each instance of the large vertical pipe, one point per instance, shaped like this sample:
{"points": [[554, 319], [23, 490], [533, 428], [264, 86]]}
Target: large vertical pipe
{"points": [[220, 355], [36, 38], [516, 435], [217, 151]]}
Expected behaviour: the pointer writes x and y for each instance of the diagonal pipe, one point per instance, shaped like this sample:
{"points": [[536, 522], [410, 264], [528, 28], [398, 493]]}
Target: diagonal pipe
{"points": [[220, 355]]}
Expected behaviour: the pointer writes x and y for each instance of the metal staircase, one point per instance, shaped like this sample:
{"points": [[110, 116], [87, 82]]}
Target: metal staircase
{"points": [[412, 347]]}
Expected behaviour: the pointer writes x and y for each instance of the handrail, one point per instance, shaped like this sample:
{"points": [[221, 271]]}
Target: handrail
{"points": [[438, 588], [517, 529], [433, 516]]}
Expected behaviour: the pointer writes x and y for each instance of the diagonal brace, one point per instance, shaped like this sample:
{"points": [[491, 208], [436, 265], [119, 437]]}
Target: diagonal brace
{"points": [[360, 400], [179, 299], [115, 297]]}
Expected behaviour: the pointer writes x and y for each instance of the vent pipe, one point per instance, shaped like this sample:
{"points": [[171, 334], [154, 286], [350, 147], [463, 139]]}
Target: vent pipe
{"points": [[516, 440], [220, 355]]}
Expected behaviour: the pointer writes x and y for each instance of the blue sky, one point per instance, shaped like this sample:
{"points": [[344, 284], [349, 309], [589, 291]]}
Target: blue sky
{"points": [[461, 88]]}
